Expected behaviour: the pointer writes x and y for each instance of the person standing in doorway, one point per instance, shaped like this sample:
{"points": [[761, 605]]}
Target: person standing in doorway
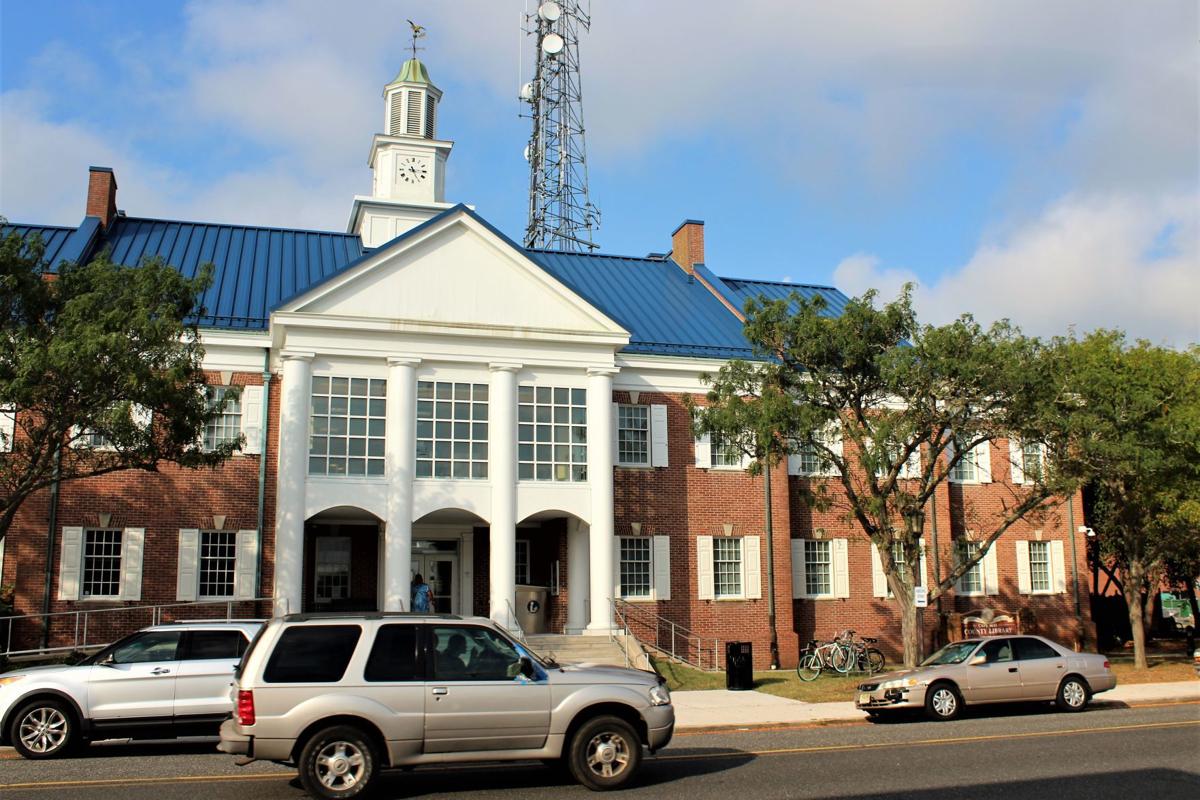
{"points": [[422, 595]]}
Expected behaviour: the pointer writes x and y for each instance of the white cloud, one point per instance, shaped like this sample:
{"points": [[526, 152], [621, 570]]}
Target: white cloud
{"points": [[1115, 260]]}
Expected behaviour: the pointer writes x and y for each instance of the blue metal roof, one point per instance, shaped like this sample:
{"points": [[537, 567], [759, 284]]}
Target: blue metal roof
{"points": [[665, 311], [743, 289], [255, 267], [54, 237]]}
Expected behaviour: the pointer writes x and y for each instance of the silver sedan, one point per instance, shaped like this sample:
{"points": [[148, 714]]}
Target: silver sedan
{"points": [[994, 669]]}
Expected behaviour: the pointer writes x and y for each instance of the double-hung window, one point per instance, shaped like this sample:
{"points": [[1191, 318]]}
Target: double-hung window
{"points": [[633, 435], [452, 430], [217, 563], [227, 425], [818, 567], [8, 427], [725, 453], [637, 578], [347, 426], [727, 567], [1039, 566], [101, 562], [973, 467], [972, 580]]}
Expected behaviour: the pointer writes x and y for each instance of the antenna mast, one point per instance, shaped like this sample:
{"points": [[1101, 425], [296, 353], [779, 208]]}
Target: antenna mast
{"points": [[561, 217]]}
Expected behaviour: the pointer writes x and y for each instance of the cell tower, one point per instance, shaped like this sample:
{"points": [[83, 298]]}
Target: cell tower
{"points": [[561, 217]]}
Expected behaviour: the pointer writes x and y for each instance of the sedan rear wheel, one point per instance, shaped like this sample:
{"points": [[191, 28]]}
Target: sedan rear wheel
{"points": [[1072, 694]]}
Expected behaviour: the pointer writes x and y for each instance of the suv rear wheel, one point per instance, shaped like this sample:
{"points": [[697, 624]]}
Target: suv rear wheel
{"points": [[338, 762], [605, 753], [44, 729]]}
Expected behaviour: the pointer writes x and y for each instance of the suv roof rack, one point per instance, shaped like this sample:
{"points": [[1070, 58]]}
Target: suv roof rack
{"points": [[311, 615], [259, 621]]}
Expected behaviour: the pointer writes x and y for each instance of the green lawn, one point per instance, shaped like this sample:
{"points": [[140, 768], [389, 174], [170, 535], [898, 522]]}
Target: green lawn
{"points": [[784, 683]]}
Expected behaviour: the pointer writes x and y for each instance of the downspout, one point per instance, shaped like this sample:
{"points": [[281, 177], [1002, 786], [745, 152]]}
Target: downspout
{"points": [[770, 561], [262, 470], [50, 543], [1074, 558]]}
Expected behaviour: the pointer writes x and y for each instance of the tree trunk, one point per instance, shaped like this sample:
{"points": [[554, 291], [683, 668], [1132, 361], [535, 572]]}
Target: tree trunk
{"points": [[1191, 595], [1133, 599]]}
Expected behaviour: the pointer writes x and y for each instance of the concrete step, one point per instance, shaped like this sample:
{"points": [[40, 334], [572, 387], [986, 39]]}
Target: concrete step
{"points": [[578, 649]]}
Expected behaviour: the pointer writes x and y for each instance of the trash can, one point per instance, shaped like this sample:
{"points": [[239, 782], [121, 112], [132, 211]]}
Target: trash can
{"points": [[739, 666], [531, 608]]}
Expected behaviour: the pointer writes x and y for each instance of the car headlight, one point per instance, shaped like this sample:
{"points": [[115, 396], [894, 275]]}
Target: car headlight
{"points": [[902, 683], [6, 681], [660, 696]]}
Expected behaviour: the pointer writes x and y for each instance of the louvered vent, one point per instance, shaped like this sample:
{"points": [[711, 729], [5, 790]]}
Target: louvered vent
{"points": [[414, 114], [395, 111], [430, 117]]}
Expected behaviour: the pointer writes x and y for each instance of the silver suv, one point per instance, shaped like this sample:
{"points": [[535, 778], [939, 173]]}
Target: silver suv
{"points": [[163, 681], [342, 696]]}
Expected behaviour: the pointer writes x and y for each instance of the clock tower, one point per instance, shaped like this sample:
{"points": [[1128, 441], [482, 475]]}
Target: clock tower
{"points": [[408, 161]]}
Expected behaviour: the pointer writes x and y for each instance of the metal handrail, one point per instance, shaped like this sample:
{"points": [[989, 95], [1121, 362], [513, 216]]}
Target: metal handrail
{"points": [[515, 629], [79, 633], [668, 637]]}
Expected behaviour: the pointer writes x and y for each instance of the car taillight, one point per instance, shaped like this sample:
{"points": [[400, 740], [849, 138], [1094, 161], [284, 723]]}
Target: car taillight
{"points": [[245, 707], [1106, 663]]}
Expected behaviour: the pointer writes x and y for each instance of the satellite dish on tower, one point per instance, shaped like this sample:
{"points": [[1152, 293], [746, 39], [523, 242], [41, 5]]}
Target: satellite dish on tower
{"points": [[549, 11], [527, 92], [526, 152], [552, 44]]}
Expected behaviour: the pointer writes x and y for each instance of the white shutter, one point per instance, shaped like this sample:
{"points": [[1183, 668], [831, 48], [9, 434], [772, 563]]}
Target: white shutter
{"points": [[879, 587], [983, 462], [793, 465], [924, 571], [1018, 463], [1058, 572], [752, 561], [703, 451], [662, 567], [841, 568], [616, 433], [658, 436], [1024, 583], [8, 426], [835, 444], [252, 408], [799, 581], [704, 568], [746, 461], [188, 579], [616, 592], [70, 566], [991, 572], [133, 542], [246, 566]]}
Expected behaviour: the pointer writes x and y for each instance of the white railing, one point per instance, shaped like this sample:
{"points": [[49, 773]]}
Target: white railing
{"points": [[94, 628], [514, 626], [667, 637]]}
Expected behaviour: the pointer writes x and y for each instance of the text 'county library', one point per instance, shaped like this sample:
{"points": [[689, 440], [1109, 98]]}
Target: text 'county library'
{"points": [[423, 395]]}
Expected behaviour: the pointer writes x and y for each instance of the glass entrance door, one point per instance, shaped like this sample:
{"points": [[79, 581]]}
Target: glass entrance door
{"points": [[440, 571]]}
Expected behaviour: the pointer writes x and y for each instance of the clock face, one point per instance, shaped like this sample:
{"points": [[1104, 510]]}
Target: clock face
{"points": [[413, 170]]}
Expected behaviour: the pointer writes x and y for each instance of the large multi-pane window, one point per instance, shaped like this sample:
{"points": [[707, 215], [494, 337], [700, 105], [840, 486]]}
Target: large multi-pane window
{"points": [[818, 567], [226, 426], [347, 426], [635, 566], [218, 558], [551, 433], [1039, 566], [809, 462], [452, 430], [101, 562], [727, 567], [724, 452], [972, 580], [1032, 460], [633, 435]]}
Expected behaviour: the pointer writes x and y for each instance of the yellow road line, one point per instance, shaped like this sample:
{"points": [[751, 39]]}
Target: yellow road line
{"points": [[667, 757]]}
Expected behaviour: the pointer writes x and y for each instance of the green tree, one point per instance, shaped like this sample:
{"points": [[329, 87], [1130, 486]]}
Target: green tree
{"points": [[103, 369], [1134, 426], [890, 407]]}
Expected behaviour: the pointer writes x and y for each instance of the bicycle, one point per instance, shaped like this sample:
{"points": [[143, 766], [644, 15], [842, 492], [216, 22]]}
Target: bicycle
{"points": [[818, 656]]}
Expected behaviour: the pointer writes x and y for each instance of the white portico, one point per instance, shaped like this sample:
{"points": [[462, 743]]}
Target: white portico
{"points": [[441, 389]]}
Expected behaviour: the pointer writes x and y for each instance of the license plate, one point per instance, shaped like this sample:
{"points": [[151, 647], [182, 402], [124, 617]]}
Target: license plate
{"points": [[864, 699]]}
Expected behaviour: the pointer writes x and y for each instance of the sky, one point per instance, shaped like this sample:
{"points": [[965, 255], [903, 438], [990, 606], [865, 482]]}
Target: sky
{"points": [[1025, 160]]}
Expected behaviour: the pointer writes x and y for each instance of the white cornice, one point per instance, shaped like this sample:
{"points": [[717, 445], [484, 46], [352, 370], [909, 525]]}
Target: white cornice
{"points": [[299, 319]]}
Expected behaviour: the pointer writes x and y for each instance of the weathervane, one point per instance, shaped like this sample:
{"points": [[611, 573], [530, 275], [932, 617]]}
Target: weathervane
{"points": [[418, 32]]}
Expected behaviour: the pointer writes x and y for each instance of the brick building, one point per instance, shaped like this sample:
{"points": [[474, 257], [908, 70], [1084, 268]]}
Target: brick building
{"points": [[420, 394]]}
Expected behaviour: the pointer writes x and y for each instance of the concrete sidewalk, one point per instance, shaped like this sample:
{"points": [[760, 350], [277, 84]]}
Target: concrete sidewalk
{"points": [[719, 708]]}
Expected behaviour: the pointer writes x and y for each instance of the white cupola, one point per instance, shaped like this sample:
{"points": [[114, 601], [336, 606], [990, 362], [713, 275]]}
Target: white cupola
{"points": [[408, 161]]}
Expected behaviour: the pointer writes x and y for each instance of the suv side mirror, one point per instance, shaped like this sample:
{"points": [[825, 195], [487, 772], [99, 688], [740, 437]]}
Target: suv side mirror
{"points": [[527, 669]]}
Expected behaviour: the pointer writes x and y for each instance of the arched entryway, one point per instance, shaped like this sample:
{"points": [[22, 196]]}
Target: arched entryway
{"points": [[444, 544], [342, 561], [551, 563]]}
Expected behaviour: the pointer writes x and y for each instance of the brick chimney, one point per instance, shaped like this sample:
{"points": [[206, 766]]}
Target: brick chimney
{"points": [[102, 194], [687, 244]]}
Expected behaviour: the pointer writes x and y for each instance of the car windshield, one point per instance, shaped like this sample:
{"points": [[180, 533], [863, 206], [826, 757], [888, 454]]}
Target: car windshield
{"points": [[953, 653]]}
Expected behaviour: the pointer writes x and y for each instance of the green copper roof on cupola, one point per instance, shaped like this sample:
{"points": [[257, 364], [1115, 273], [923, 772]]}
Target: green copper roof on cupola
{"points": [[413, 71]]}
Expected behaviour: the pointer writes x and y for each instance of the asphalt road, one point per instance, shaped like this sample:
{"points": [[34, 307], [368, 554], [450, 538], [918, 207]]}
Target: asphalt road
{"points": [[1008, 754]]}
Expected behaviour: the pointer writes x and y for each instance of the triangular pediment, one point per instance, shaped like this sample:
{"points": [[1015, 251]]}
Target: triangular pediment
{"points": [[455, 270]]}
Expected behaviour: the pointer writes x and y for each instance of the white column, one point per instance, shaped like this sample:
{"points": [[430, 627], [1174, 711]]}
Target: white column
{"points": [[502, 474], [293, 471], [577, 575], [401, 456], [600, 477]]}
